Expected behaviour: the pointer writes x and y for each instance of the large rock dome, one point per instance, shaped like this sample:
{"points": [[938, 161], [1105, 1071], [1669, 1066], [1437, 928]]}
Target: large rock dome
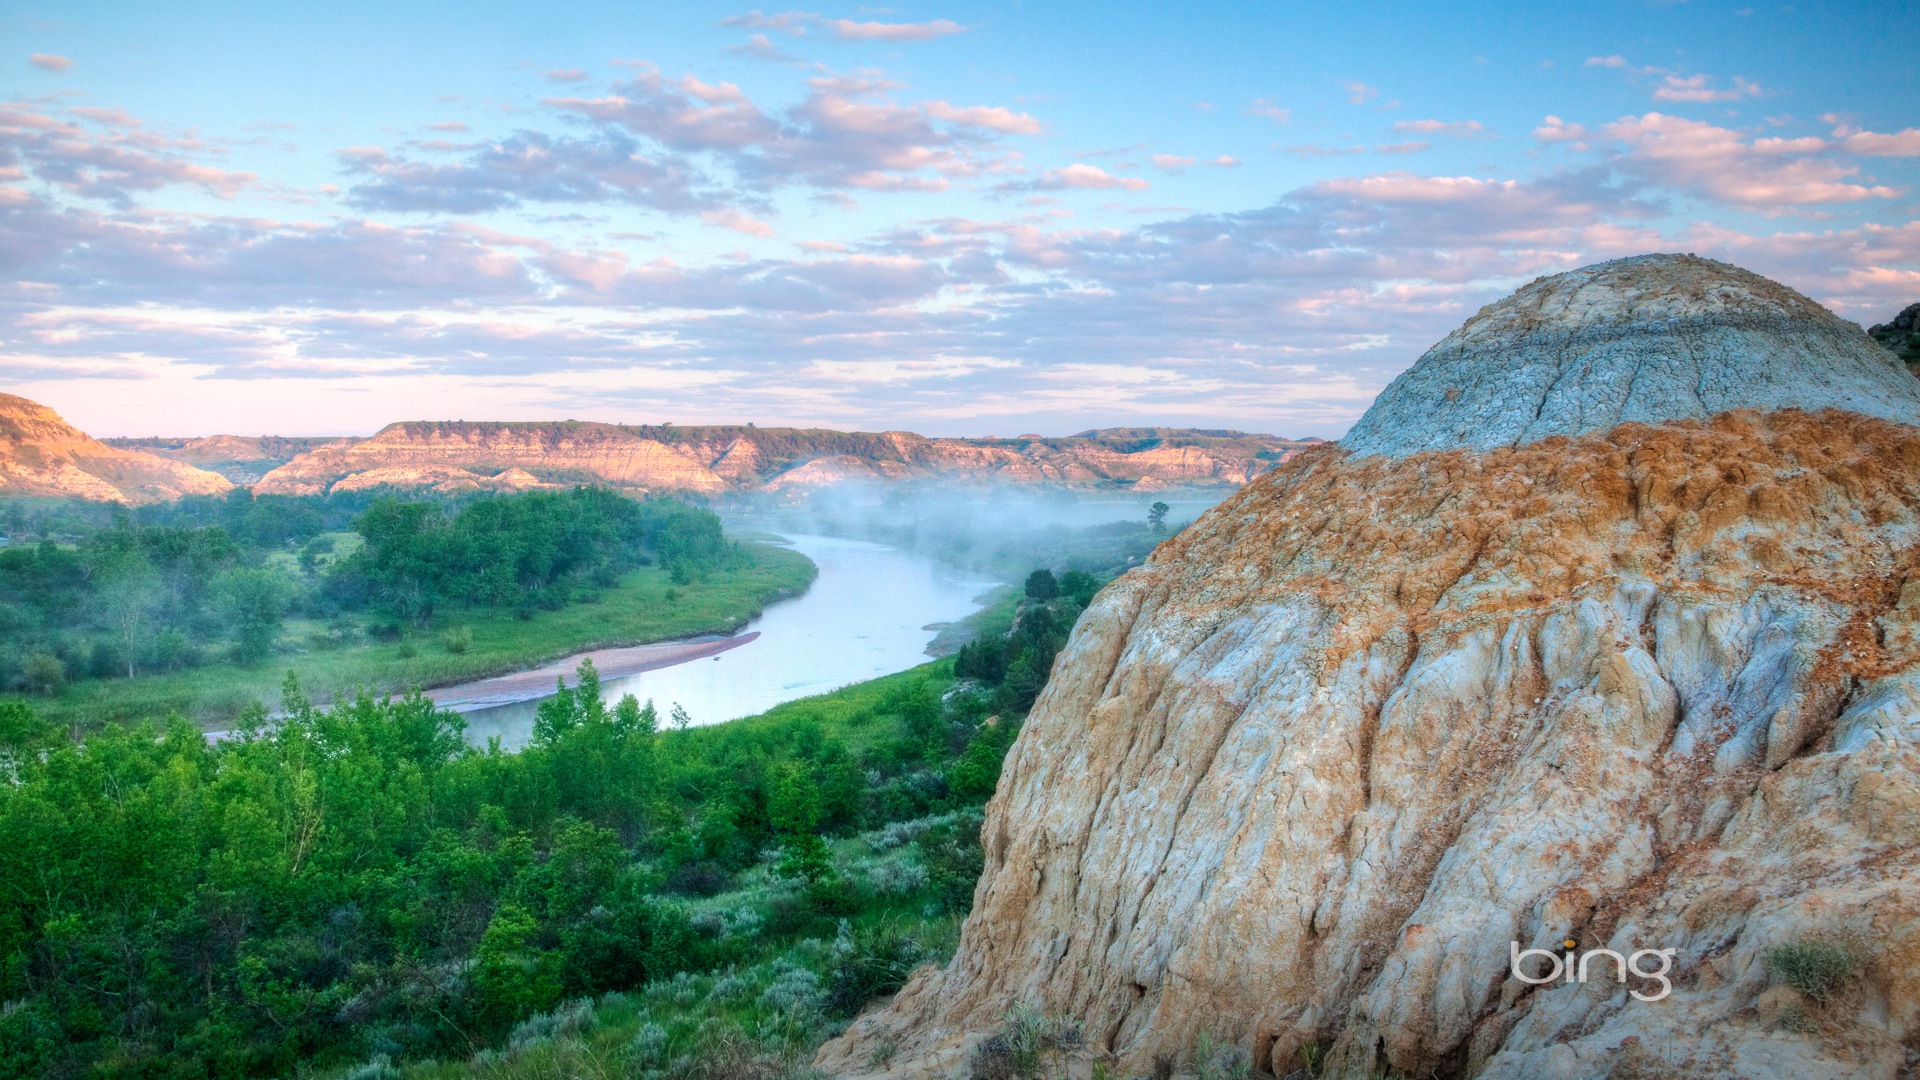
{"points": [[1649, 339], [1302, 782]]}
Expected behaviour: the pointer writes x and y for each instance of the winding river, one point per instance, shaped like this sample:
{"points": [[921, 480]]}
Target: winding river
{"points": [[872, 611]]}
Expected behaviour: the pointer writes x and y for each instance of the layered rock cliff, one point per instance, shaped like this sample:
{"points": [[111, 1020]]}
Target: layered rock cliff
{"points": [[718, 460], [1304, 780], [43, 455]]}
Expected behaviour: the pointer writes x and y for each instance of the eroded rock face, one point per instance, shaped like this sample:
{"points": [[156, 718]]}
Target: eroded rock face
{"points": [[1645, 339], [712, 460], [43, 455], [1305, 778]]}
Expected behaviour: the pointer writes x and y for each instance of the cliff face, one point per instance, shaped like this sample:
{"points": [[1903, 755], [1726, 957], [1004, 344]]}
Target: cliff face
{"points": [[1307, 777], [41, 454], [714, 460]]}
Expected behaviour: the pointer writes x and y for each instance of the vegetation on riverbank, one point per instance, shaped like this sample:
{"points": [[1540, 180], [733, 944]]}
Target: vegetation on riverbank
{"points": [[139, 619], [358, 891]]}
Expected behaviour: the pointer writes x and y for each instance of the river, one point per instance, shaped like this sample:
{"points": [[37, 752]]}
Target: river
{"points": [[871, 611]]}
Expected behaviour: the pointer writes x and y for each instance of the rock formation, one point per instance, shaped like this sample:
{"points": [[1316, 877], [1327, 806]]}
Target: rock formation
{"points": [[1304, 780], [1651, 338], [719, 460], [43, 455], [243, 459]]}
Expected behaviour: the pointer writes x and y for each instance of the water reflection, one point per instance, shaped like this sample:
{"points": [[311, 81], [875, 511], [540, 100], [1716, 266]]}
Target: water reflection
{"points": [[868, 614]]}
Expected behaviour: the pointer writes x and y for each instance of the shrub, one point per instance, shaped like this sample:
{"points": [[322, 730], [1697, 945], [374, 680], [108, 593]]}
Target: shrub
{"points": [[458, 640], [1818, 969], [1025, 1045], [869, 961]]}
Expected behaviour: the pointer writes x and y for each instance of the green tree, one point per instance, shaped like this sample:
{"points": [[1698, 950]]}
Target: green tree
{"points": [[1157, 516], [254, 600], [1041, 586]]}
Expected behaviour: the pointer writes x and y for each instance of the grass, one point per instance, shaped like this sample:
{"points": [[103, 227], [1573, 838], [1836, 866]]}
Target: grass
{"points": [[645, 606], [1818, 969]]}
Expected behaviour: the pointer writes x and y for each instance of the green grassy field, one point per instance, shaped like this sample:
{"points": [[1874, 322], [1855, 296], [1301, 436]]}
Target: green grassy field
{"points": [[644, 607]]}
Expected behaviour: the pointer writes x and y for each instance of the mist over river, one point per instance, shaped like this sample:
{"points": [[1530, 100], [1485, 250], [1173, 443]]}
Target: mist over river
{"points": [[867, 614]]}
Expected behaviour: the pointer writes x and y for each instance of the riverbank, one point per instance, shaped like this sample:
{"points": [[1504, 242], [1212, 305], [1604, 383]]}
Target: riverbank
{"points": [[869, 613], [645, 606]]}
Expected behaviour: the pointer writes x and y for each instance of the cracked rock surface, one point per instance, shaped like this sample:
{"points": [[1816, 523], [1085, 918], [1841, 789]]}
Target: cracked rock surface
{"points": [[1302, 780], [1644, 339]]}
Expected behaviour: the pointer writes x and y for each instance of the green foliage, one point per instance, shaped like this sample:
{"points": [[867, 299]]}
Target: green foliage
{"points": [[1818, 969], [1157, 516], [360, 885], [518, 552]]}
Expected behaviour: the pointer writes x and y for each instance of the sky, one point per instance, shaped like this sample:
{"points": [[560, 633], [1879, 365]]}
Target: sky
{"points": [[953, 218]]}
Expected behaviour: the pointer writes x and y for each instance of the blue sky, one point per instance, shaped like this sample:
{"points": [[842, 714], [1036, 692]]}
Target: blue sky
{"points": [[955, 218]]}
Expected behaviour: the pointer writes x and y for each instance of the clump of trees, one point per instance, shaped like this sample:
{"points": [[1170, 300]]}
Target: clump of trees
{"points": [[1016, 665], [206, 579], [518, 552], [133, 598]]}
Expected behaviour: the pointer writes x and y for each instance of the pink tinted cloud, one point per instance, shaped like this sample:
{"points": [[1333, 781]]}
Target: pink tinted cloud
{"points": [[1087, 177], [568, 75], [1607, 61], [113, 163], [59, 65], [1458, 128], [1698, 88], [847, 29], [731, 218], [986, 117], [1765, 175], [1880, 144], [1359, 93]]}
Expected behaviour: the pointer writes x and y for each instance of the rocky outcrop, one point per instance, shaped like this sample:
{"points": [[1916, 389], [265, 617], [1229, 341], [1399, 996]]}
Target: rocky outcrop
{"points": [[1646, 339], [1304, 780], [242, 459], [720, 460], [1902, 335], [43, 455]]}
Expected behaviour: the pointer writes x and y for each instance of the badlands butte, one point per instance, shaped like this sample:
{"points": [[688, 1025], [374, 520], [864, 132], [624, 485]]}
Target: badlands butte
{"points": [[452, 456], [1602, 625]]}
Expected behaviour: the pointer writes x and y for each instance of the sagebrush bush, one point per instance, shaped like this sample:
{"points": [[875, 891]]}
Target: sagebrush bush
{"points": [[1818, 969]]}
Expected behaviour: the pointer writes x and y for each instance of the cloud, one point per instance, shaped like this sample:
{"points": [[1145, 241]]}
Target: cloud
{"points": [[108, 154], [1696, 88], [1263, 107], [845, 134], [848, 30], [1085, 177], [1764, 175], [568, 75], [1172, 163], [1607, 61], [760, 47], [1554, 129], [529, 166], [59, 65], [1359, 93], [449, 125], [985, 117], [1457, 128], [731, 218], [1876, 144], [797, 23]]}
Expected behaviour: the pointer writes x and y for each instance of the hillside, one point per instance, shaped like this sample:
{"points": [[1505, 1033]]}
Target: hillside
{"points": [[243, 459], [1300, 786], [725, 459], [43, 455]]}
